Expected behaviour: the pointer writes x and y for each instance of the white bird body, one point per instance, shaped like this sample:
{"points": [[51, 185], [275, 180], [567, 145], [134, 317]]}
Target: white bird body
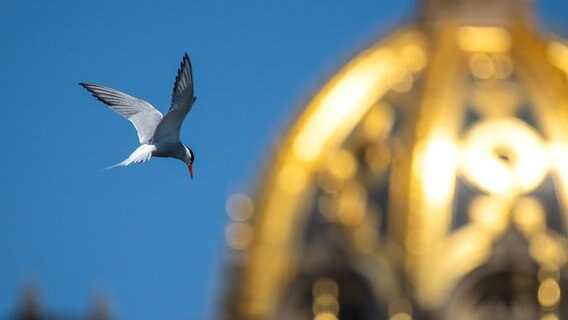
{"points": [[158, 135]]}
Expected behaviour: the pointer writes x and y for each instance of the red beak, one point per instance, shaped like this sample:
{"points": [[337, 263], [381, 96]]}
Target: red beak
{"points": [[190, 167]]}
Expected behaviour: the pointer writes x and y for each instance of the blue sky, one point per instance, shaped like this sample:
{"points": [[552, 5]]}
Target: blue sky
{"points": [[145, 236]]}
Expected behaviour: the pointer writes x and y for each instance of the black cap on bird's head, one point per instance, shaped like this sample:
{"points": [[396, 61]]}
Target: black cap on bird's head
{"points": [[189, 160]]}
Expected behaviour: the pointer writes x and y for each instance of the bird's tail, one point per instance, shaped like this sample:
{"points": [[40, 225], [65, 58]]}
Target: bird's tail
{"points": [[141, 154]]}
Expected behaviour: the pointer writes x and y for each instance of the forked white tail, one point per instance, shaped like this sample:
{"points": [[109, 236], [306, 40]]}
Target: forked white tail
{"points": [[141, 154]]}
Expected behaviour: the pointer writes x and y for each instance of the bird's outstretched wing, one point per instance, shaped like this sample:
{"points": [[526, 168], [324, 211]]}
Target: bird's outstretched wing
{"points": [[142, 114], [182, 100]]}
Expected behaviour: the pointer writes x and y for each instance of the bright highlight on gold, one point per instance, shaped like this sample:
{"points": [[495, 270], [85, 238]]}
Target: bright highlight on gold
{"points": [[558, 55], [401, 316], [326, 306], [549, 293], [484, 39], [504, 156], [344, 100], [438, 164]]}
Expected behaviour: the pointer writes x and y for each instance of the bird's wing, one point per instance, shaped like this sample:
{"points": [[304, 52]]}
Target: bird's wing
{"points": [[142, 114], [182, 100]]}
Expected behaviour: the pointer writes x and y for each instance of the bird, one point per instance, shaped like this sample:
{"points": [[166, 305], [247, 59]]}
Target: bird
{"points": [[159, 136]]}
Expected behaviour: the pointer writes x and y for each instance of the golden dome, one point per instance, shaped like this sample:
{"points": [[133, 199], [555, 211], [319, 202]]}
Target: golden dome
{"points": [[431, 168]]}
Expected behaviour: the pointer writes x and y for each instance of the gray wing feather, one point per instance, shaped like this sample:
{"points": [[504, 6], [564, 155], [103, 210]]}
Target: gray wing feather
{"points": [[142, 114], [182, 100]]}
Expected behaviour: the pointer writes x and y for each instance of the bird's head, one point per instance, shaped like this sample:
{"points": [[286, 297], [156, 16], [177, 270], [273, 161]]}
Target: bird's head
{"points": [[189, 159]]}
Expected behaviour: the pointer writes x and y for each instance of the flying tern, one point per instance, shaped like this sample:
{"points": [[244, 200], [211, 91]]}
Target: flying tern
{"points": [[158, 135]]}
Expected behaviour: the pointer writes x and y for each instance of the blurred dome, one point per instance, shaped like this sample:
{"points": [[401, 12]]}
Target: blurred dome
{"points": [[427, 179]]}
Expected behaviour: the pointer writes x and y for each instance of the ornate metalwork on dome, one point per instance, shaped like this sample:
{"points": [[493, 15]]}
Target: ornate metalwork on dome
{"points": [[428, 179]]}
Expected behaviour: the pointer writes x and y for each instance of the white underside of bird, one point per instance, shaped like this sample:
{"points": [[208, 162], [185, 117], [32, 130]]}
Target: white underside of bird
{"points": [[158, 135]]}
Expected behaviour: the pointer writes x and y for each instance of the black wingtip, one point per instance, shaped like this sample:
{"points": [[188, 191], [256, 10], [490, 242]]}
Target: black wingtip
{"points": [[86, 85], [186, 59]]}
